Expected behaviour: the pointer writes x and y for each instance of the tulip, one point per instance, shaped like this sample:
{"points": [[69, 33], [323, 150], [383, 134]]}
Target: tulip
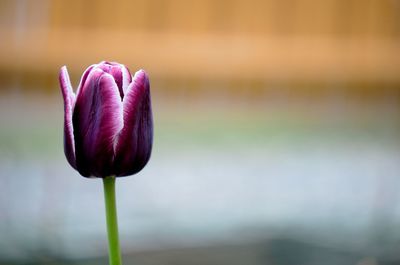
{"points": [[108, 130], [108, 124]]}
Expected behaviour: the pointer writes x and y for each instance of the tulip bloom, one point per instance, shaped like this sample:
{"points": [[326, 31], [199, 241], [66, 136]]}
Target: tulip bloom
{"points": [[108, 123]]}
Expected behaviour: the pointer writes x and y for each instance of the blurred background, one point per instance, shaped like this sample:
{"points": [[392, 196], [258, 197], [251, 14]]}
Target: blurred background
{"points": [[277, 128]]}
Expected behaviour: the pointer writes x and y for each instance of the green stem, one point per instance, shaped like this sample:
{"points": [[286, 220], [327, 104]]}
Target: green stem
{"points": [[114, 251]]}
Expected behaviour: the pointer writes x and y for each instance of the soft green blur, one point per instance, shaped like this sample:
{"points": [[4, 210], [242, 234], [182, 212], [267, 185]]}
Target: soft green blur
{"points": [[277, 128]]}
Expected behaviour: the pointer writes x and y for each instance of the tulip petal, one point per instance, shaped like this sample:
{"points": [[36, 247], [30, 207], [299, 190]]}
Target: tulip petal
{"points": [[69, 102], [116, 72], [126, 79], [83, 78], [97, 120], [121, 75], [134, 144]]}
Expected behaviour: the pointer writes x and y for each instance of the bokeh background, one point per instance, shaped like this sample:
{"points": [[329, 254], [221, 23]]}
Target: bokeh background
{"points": [[277, 132]]}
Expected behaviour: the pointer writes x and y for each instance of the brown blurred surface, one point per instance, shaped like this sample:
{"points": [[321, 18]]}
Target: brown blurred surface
{"points": [[291, 40]]}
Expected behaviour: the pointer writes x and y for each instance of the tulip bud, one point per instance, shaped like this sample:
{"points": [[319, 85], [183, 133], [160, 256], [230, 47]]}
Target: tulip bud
{"points": [[108, 123]]}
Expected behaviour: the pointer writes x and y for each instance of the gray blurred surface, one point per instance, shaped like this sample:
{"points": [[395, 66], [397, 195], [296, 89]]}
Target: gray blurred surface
{"points": [[227, 184]]}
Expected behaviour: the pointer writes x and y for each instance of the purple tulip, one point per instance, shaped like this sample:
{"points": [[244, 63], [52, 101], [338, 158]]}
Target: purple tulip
{"points": [[108, 123]]}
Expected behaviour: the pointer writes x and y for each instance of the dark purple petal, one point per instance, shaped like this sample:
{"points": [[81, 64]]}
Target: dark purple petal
{"points": [[135, 141], [120, 73], [69, 102], [83, 79], [116, 72], [126, 78], [97, 119]]}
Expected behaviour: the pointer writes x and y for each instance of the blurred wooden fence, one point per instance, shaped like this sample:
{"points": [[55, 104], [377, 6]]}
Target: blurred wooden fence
{"points": [[331, 40]]}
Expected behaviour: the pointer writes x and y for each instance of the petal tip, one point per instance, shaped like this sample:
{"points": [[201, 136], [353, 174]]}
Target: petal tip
{"points": [[141, 73], [142, 78], [63, 71], [65, 83]]}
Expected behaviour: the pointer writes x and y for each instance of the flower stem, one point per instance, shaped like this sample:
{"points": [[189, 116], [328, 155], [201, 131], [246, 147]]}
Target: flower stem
{"points": [[114, 251]]}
